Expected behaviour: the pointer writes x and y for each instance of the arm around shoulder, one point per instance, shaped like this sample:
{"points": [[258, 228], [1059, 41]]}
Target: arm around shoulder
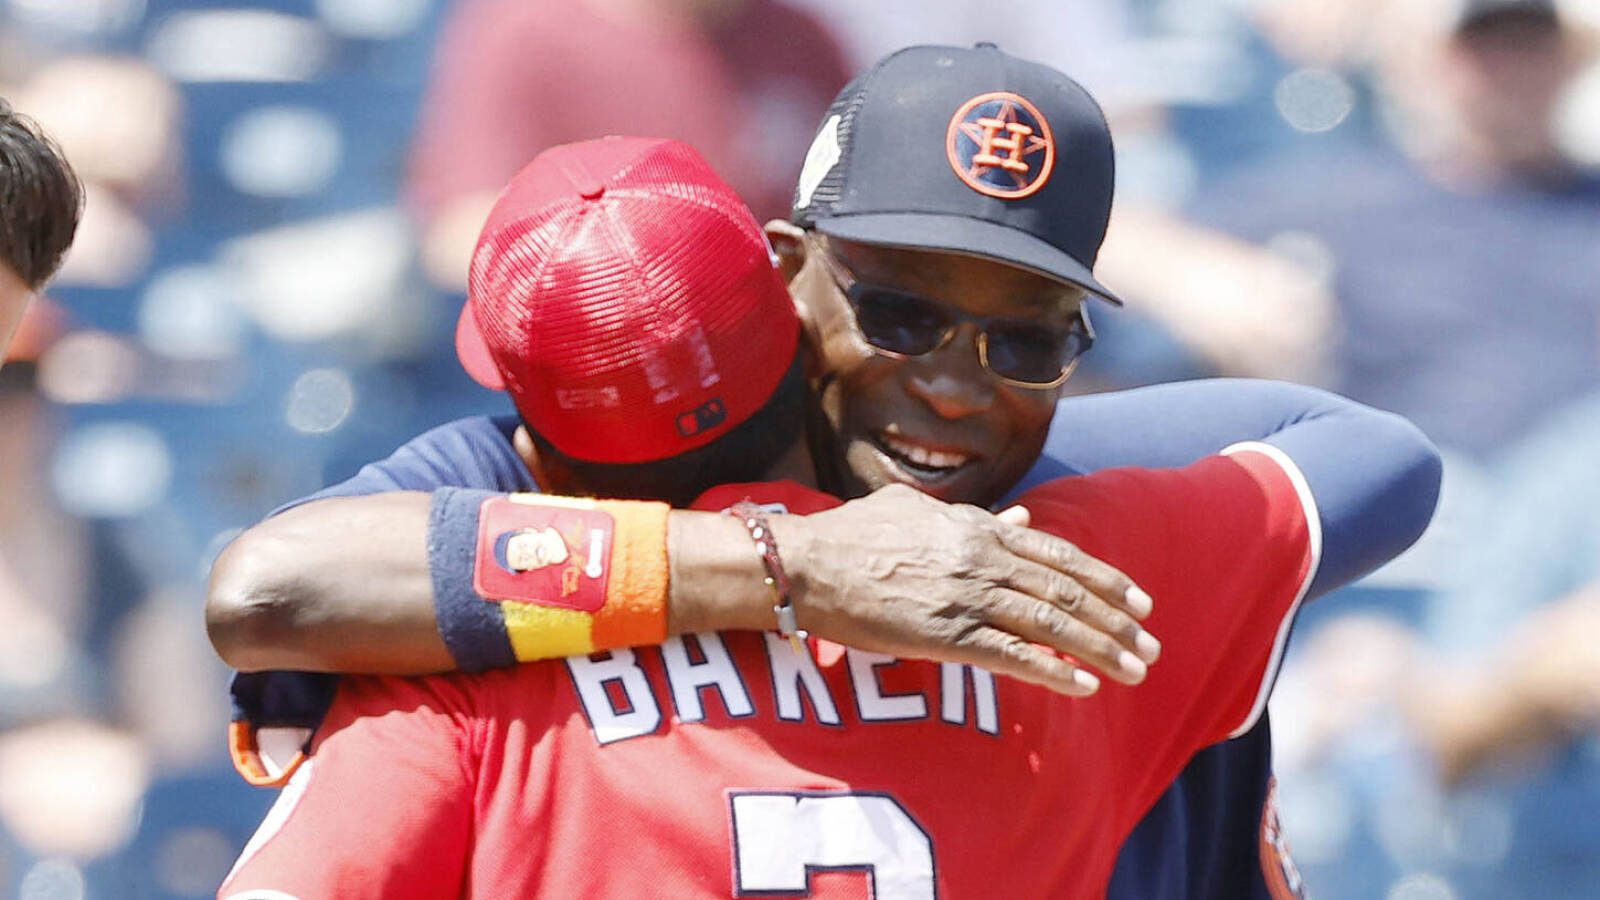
{"points": [[1375, 477], [335, 585]]}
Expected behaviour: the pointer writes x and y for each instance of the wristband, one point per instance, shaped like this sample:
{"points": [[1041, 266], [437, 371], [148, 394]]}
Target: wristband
{"points": [[573, 576], [473, 631], [755, 521]]}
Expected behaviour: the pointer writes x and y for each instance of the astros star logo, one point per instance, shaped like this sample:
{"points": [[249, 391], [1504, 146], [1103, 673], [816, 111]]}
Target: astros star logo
{"points": [[1000, 145]]}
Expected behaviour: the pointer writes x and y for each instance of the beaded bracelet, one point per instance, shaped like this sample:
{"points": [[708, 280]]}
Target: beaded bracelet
{"points": [[755, 520]]}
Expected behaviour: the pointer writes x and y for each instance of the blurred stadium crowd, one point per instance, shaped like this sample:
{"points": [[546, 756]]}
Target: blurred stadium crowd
{"points": [[1396, 199]]}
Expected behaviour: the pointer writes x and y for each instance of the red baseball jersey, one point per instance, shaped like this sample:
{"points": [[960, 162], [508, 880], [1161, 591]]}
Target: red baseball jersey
{"points": [[728, 765]]}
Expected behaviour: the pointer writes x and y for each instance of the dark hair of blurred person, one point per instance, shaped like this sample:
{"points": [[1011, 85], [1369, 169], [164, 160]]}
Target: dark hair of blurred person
{"points": [[40, 203], [1506, 66]]}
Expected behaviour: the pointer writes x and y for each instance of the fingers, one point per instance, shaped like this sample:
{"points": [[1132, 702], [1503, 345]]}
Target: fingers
{"points": [[1101, 579], [1006, 654], [1015, 515], [1042, 622], [1066, 593]]}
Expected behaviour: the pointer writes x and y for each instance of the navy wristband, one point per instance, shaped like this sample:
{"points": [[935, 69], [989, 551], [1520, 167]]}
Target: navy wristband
{"points": [[473, 629]]}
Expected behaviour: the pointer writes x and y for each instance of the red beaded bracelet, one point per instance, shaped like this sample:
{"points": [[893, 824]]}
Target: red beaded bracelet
{"points": [[755, 520]]}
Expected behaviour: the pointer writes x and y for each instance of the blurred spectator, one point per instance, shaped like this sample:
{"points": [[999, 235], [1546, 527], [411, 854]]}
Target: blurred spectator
{"points": [[744, 81], [1473, 742], [1448, 273], [1525, 607], [40, 201], [1462, 258], [1085, 38], [42, 559]]}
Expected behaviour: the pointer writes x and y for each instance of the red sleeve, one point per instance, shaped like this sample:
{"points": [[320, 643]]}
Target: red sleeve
{"points": [[1227, 548], [795, 498], [384, 806]]}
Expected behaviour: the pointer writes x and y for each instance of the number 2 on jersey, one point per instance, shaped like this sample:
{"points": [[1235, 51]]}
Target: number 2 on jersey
{"points": [[779, 838]]}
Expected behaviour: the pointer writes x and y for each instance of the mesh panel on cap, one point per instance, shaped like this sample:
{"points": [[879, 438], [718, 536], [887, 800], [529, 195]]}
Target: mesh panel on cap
{"points": [[831, 188], [613, 319]]}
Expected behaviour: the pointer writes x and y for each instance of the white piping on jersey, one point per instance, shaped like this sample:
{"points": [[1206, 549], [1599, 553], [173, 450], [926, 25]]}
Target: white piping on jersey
{"points": [[1308, 505], [288, 799]]}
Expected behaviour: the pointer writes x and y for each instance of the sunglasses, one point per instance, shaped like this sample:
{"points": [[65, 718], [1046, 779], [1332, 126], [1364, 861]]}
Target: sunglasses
{"points": [[1020, 352]]}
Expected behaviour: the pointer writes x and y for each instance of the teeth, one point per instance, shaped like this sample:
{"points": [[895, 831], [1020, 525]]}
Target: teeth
{"points": [[922, 456]]}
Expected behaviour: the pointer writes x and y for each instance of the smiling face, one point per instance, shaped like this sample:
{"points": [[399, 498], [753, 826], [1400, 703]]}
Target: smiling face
{"points": [[940, 422]]}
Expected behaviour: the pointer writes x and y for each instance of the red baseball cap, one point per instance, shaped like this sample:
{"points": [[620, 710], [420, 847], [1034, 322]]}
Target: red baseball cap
{"points": [[627, 300]]}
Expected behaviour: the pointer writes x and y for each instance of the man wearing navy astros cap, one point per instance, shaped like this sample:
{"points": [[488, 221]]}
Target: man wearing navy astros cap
{"points": [[949, 182]]}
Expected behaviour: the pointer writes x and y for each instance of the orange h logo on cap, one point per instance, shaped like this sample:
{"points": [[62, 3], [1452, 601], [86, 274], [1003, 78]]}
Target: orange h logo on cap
{"points": [[1000, 145]]}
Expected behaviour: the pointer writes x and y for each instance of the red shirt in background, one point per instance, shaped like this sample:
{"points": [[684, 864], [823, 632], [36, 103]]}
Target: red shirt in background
{"points": [[513, 77]]}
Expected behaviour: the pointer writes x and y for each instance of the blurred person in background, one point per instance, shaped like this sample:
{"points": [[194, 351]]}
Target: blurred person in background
{"points": [[46, 683], [40, 203], [1507, 702], [744, 81], [1460, 255], [1484, 722], [1455, 242]]}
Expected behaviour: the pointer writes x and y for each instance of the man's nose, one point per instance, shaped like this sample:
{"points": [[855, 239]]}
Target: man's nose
{"points": [[952, 380]]}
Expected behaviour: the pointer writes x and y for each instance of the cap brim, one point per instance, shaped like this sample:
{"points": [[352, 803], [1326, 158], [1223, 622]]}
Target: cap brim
{"points": [[972, 237], [473, 352]]}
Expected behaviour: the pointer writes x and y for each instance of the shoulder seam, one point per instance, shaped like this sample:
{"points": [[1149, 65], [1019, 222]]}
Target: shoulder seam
{"points": [[1308, 506]]}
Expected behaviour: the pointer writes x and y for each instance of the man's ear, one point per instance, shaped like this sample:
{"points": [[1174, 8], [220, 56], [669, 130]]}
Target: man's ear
{"points": [[789, 242]]}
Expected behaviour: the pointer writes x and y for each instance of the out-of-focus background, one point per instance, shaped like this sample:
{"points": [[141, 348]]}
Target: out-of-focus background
{"points": [[1392, 198]]}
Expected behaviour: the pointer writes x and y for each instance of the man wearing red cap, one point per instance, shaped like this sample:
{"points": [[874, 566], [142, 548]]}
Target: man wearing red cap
{"points": [[614, 277]]}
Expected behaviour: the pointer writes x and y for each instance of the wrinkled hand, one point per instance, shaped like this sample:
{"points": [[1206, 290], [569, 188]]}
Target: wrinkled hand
{"points": [[900, 572]]}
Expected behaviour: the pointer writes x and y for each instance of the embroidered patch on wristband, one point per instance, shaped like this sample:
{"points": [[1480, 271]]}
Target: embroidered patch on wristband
{"points": [[533, 550]]}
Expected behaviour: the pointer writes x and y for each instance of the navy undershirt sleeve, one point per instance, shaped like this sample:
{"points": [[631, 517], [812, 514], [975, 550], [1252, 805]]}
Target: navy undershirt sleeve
{"points": [[1375, 476], [475, 452]]}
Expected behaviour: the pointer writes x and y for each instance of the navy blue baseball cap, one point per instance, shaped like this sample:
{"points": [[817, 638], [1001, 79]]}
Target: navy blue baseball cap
{"points": [[965, 150]]}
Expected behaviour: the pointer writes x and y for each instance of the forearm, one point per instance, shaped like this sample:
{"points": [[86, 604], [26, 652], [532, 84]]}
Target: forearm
{"points": [[347, 585], [716, 580], [337, 585], [386, 583], [1472, 718]]}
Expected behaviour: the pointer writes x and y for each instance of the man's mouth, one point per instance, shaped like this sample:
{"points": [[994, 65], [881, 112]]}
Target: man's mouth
{"points": [[919, 460]]}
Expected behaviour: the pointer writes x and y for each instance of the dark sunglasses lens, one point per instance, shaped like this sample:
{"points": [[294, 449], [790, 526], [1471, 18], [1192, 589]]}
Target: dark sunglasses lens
{"points": [[899, 323], [1032, 353]]}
